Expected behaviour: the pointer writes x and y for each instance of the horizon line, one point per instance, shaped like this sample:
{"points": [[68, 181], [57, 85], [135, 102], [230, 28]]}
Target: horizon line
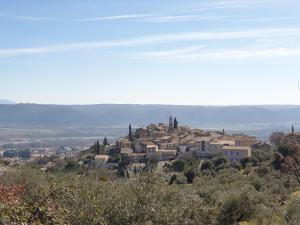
{"points": [[148, 104]]}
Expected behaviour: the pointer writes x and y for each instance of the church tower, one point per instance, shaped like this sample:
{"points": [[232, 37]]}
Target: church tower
{"points": [[171, 126]]}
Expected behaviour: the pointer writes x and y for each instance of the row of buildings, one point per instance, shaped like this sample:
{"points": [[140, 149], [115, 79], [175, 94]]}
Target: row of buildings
{"points": [[163, 142]]}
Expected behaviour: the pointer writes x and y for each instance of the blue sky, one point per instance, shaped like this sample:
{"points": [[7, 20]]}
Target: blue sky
{"points": [[208, 52]]}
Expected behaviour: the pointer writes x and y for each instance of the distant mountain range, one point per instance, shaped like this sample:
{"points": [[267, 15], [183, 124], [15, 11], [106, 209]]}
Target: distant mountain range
{"points": [[119, 115], [6, 102]]}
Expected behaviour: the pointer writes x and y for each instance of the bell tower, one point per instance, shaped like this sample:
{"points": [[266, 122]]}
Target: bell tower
{"points": [[171, 126]]}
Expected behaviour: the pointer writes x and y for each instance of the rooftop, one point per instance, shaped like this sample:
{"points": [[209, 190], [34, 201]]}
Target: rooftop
{"points": [[236, 148], [102, 157], [222, 142]]}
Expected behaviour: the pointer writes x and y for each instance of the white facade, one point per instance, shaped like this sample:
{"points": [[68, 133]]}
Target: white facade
{"points": [[216, 147], [236, 153]]}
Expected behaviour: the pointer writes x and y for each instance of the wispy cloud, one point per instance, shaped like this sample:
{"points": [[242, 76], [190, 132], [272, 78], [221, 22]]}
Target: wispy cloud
{"points": [[180, 53], [156, 39], [180, 15], [221, 5], [117, 17], [182, 18], [196, 53], [271, 18], [150, 18], [175, 18]]}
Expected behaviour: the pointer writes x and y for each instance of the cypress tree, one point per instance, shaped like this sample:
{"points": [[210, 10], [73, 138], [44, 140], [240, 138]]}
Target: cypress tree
{"points": [[175, 123], [97, 148], [130, 133], [105, 141]]}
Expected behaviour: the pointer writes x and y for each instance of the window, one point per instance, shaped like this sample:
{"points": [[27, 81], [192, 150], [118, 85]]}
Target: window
{"points": [[203, 146]]}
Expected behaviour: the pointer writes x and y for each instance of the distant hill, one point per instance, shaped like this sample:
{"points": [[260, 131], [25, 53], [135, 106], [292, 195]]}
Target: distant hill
{"points": [[116, 115], [6, 102]]}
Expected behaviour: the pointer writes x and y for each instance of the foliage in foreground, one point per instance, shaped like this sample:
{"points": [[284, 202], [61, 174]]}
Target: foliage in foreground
{"points": [[225, 198], [254, 191]]}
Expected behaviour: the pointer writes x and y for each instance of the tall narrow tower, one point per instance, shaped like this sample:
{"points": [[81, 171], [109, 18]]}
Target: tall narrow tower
{"points": [[175, 123], [171, 126], [130, 133]]}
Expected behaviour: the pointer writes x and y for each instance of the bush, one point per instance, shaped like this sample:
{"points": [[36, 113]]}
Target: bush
{"points": [[239, 206], [262, 155], [207, 165], [190, 175], [71, 166], [180, 179], [219, 161], [247, 171], [262, 171], [249, 161], [292, 214], [257, 183], [178, 165], [237, 165]]}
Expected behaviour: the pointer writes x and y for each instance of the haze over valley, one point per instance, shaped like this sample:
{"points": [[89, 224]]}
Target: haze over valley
{"points": [[82, 124]]}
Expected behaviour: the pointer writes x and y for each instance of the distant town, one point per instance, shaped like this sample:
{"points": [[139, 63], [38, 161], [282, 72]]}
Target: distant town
{"points": [[160, 142], [163, 142]]}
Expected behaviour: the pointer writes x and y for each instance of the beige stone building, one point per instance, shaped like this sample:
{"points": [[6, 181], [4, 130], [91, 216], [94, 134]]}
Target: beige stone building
{"points": [[216, 146], [101, 160], [236, 153], [241, 140]]}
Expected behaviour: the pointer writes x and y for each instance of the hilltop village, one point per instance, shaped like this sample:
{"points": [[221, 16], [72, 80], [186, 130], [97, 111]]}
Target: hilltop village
{"points": [[165, 142], [161, 142]]}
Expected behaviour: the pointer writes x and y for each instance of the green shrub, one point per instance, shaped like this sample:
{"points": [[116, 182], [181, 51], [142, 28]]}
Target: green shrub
{"points": [[180, 179], [71, 166], [239, 206], [262, 171], [207, 165], [292, 214], [257, 183], [249, 162], [190, 175], [262, 155], [219, 161], [237, 165], [178, 165]]}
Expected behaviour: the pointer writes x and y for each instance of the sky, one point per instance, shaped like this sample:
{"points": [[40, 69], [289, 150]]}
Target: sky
{"points": [[191, 52]]}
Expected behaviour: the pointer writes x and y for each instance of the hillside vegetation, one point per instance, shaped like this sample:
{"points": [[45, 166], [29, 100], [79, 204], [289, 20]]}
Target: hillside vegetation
{"points": [[258, 190]]}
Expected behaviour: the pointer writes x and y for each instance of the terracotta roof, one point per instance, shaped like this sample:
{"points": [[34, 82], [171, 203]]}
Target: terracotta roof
{"points": [[167, 151], [148, 143], [102, 157], [126, 150], [205, 138], [236, 148], [222, 142], [166, 137]]}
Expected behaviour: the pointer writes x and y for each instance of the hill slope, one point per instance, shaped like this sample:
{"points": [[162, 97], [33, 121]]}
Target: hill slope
{"points": [[110, 115], [6, 102]]}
